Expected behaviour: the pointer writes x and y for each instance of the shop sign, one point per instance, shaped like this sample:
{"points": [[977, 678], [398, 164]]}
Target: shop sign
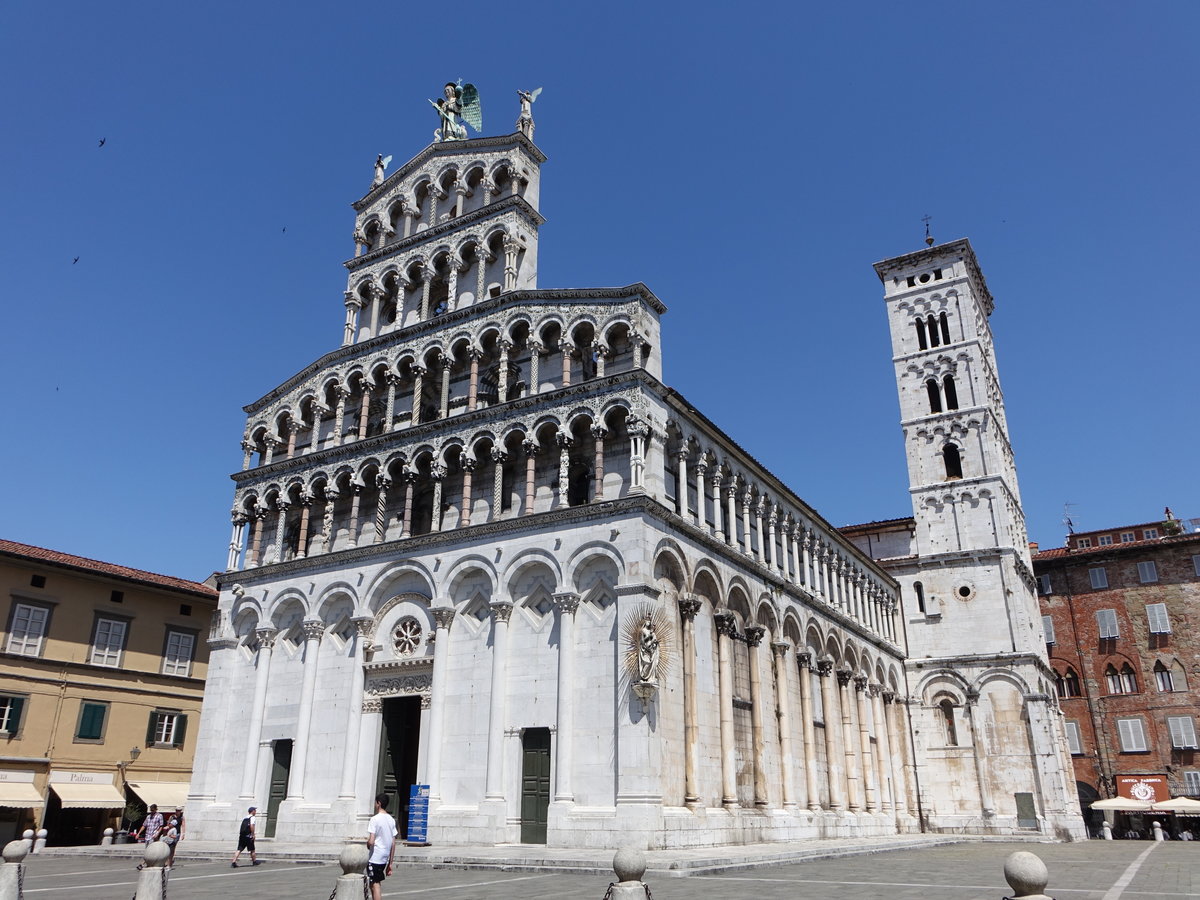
{"points": [[1147, 788], [12, 776], [59, 776]]}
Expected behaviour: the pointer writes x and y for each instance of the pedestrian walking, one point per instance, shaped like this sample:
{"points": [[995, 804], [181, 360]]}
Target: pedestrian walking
{"points": [[381, 842], [246, 838], [170, 837], [151, 825]]}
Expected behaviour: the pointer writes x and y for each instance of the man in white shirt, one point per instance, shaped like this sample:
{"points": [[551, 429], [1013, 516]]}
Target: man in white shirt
{"points": [[381, 843]]}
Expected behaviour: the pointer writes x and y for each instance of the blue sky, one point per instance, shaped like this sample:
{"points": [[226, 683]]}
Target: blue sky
{"points": [[748, 162]]}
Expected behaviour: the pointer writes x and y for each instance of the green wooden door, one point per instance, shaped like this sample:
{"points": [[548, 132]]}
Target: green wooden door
{"points": [[535, 784], [281, 767]]}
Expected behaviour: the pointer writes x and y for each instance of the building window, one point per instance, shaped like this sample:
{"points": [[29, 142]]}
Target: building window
{"points": [[951, 392], [1074, 738], [1156, 615], [1166, 678], [1104, 540], [919, 590], [1191, 782], [1149, 534], [108, 641], [177, 658], [953, 461], [1099, 577], [1106, 622], [1123, 682], [1132, 735], [11, 708], [1183, 732], [1147, 572], [1043, 584], [1071, 683], [947, 710], [92, 718], [167, 728], [1128, 537], [935, 398], [27, 629], [1048, 629], [1083, 543]]}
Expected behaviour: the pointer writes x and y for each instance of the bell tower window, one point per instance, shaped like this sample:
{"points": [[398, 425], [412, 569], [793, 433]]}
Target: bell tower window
{"points": [[935, 397], [920, 326], [945, 323], [950, 391], [953, 462]]}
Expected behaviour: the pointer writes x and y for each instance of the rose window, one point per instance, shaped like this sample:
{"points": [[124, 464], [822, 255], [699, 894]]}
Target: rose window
{"points": [[407, 636]]}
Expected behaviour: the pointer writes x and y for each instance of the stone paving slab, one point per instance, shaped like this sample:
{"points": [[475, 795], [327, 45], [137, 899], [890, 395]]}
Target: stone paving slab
{"points": [[963, 871]]}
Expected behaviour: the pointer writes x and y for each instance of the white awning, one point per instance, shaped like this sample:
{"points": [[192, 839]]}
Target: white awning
{"points": [[20, 796], [168, 795], [88, 796]]}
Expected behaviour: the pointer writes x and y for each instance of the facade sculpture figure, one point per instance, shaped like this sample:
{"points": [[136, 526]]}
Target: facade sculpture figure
{"points": [[648, 652], [457, 101], [381, 164], [525, 119]]}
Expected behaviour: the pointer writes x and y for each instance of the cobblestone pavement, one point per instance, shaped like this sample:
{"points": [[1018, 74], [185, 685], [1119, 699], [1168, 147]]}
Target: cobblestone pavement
{"points": [[1085, 871]]}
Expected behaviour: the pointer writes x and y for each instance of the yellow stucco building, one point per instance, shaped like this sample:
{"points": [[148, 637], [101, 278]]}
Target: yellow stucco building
{"points": [[101, 676]]}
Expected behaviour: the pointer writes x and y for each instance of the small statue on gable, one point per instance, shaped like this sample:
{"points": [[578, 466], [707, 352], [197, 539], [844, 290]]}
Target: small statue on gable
{"points": [[459, 100], [525, 120]]}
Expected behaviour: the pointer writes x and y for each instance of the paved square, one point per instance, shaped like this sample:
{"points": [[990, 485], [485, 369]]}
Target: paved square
{"points": [[1085, 871]]}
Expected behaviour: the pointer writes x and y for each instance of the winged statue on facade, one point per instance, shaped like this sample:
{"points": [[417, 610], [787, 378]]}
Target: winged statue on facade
{"points": [[525, 120], [460, 101]]}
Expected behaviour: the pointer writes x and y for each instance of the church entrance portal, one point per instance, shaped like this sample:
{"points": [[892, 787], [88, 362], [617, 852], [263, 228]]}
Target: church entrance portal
{"points": [[281, 768], [398, 754], [535, 784]]}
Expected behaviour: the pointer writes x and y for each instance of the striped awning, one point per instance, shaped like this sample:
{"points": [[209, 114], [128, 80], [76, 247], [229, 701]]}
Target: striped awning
{"points": [[88, 796], [20, 795]]}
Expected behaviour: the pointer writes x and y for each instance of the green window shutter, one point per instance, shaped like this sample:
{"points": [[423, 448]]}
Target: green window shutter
{"points": [[151, 728], [16, 706], [180, 730], [91, 721]]}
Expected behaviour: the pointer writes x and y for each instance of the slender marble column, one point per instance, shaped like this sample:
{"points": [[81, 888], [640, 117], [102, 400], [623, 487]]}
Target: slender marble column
{"points": [[292, 428], [468, 467], [535, 359], [531, 449], [255, 555], [726, 628], [438, 473], [339, 414], [502, 382], [331, 496], [270, 443], [715, 481], [306, 502], [689, 605], [473, 385], [853, 775], [382, 482], [979, 752], [355, 503], [864, 732], [731, 512], [833, 760], [567, 603], [313, 630], [808, 730], [598, 433], [494, 776], [410, 480], [754, 636], [806, 559], [443, 616], [779, 650], [235, 542], [776, 556], [389, 412], [564, 466], [747, 542], [266, 643], [761, 553], [364, 410], [499, 458], [364, 627], [701, 469], [281, 505], [883, 744], [906, 786], [418, 390], [681, 482], [566, 347]]}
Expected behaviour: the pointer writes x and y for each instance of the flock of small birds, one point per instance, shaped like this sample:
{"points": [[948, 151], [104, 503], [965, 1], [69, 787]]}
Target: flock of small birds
{"points": [[104, 141]]}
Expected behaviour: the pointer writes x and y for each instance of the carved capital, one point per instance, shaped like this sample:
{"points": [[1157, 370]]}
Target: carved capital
{"points": [[889, 696], [567, 603], [468, 463], [364, 625], [689, 605], [825, 666], [599, 432], [780, 648], [565, 441], [443, 616], [383, 482], [844, 677], [499, 456], [754, 634], [530, 447], [313, 629], [372, 705], [266, 637], [726, 624], [804, 659], [501, 610]]}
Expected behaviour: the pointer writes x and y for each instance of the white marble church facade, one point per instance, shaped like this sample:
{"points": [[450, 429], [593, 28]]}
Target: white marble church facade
{"points": [[447, 531]]}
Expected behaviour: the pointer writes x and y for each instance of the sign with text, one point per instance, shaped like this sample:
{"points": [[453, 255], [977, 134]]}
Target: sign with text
{"points": [[12, 775], [1148, 788], [61, 776], [418, 814]]}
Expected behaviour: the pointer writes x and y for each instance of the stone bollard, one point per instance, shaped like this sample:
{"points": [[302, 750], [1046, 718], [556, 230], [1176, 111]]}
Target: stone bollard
{"points": [[39, 843], [353, 860], [152, 880], [12, 872], [27, 837], [1106, 831], [630, 865], [106, 841], [1157, 828], [1027, 876]]}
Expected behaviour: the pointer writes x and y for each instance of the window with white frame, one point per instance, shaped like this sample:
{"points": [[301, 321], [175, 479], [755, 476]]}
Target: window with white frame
{"points": [[1105, 540], [28, 629], [1083, 543], [1132, 735], [166, 728], [1128, 537], [1048, 629], [1106, 621], [1164, 678], [177, 658], [1074, 738], [1183, 732], [108, 641], [1098, 577], [1156, 615], [1147, 572], [1043, 584], [1149, 534], [1191, 782]]}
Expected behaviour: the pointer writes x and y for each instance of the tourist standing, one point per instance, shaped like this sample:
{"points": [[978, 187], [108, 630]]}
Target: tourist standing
{"points": [[381, 842], [151, 825]]}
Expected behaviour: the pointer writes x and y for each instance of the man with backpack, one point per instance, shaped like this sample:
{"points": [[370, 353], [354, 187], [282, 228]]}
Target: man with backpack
{"points": [[246, 838]]}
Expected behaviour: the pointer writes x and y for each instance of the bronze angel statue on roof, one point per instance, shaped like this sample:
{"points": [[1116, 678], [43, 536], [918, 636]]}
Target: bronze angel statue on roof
{"points": [[460, 100]]}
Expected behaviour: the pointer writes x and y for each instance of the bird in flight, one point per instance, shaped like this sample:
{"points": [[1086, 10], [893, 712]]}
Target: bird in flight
{"points": [[285, 229], [75, 260], [102, 140]]}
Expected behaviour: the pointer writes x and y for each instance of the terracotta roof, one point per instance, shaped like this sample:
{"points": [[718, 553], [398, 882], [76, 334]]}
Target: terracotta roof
{"points": [[55, 558], [1067, 552], [882, 523]]}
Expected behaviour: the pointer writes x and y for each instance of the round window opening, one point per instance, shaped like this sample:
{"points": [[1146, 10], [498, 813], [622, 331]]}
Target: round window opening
{"points": [[966, 592], [407, 636]]}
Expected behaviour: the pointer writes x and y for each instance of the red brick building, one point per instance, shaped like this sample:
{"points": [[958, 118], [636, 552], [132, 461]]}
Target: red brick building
{"points": [[1121, 612]]}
